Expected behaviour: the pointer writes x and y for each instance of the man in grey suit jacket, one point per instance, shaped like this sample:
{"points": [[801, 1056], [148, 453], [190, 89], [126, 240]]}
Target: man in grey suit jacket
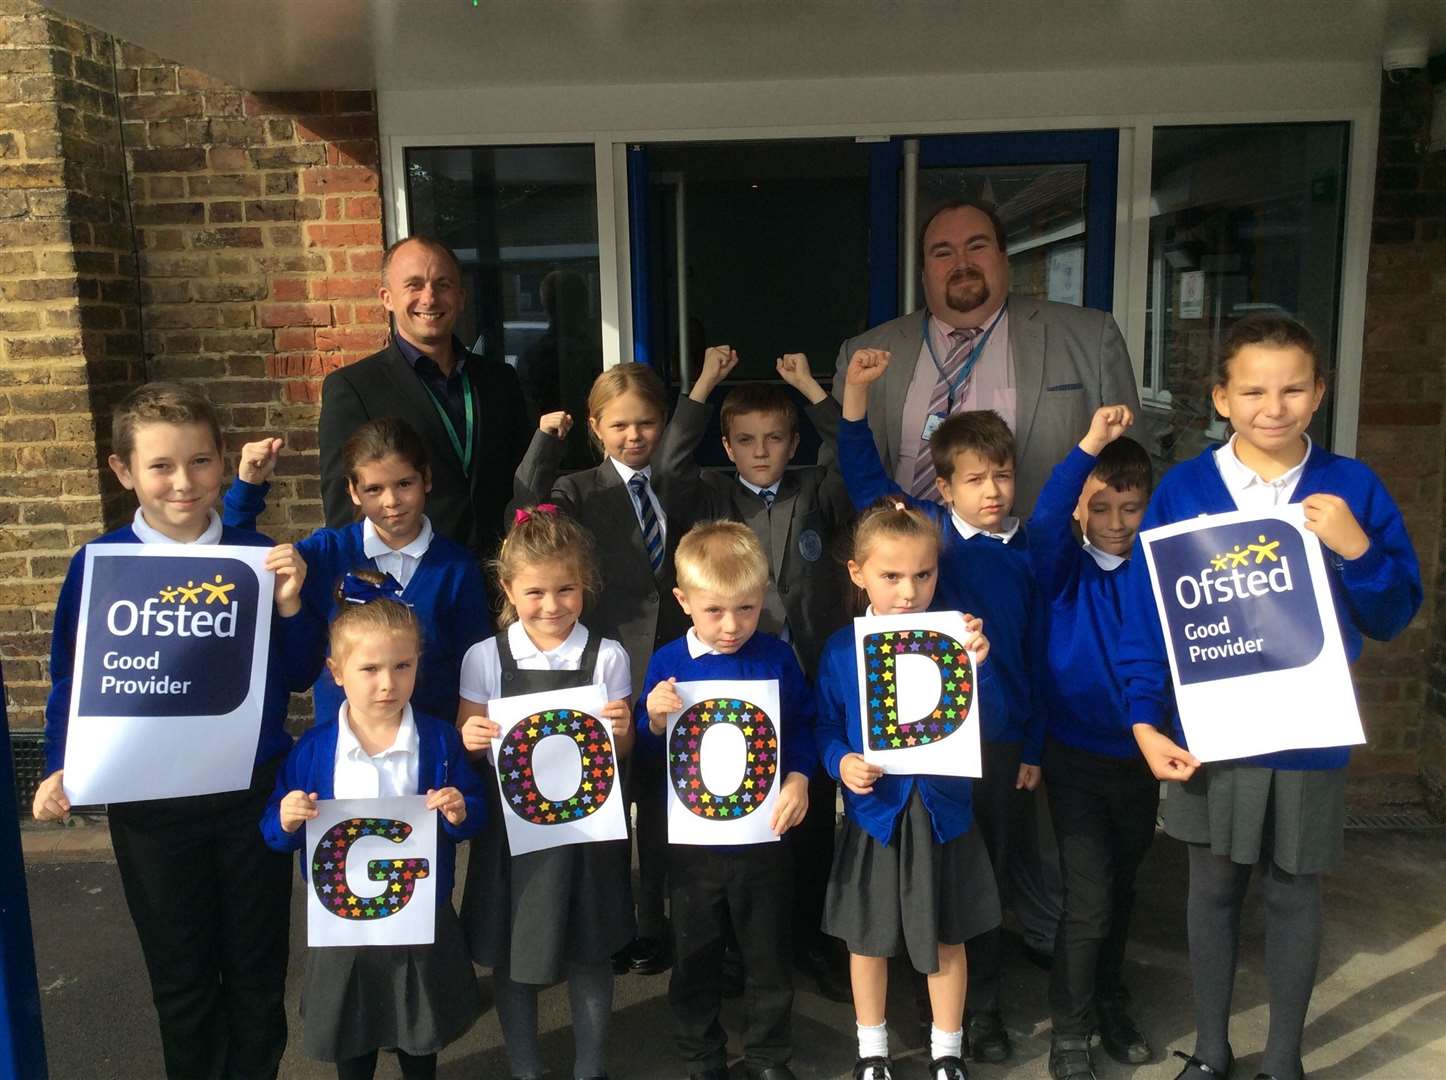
{"points": [[1045, 366]]}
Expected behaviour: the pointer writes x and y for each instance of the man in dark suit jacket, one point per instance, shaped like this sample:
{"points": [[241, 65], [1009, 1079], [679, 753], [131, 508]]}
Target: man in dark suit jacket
{"points": [[469, 410], [1047, 370]]}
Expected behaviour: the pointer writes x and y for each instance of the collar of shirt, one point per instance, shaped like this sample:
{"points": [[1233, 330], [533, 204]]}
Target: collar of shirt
{"points": [[373, 545], [771, 489], [413, 355], [696, 646], [404, 745], [147, 535], [627, 473], [969, 532], [558, 659], [1240, 478], [1103, 559]]}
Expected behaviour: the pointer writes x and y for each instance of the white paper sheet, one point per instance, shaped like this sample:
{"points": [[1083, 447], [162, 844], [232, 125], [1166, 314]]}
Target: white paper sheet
{"points": [[1251, 633], [170, 671], [372, 872], [557, 769], [725, 762], [918, 698]]}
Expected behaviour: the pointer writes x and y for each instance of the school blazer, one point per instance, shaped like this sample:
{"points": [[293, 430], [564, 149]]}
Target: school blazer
{"points": [[1068, 361], [466, 510], [807, 583], [634, 606]]}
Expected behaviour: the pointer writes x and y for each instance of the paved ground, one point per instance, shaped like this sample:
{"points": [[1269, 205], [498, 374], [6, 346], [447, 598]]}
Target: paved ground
{"points": [[1379, 1009]]}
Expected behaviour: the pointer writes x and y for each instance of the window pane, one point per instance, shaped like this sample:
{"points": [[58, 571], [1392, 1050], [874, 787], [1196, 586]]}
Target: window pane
{"points": [[1043, 210], [523, 222], [1244, 218]]}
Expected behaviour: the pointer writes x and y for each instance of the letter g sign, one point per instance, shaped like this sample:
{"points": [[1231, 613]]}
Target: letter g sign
{"points": [[328, 870]]}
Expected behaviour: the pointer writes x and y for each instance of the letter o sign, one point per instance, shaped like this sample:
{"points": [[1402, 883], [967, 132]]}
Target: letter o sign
{"points": [[760, 768], [519, 785]]}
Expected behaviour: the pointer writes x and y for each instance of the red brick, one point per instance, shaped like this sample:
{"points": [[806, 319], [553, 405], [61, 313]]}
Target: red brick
{"points": [[335, 128], [366, 208], [296, 392], [368, 341], [336, 288], [344, 235], [283, 104], [352, 153], [327, 181], [366, 260], [295, 314], [288, 289], [295, 338]]}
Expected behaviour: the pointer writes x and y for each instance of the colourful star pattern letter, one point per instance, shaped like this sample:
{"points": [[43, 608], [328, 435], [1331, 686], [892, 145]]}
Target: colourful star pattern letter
{"points": [[686, 745], [514, 766], [328, 870], [886, 729]]}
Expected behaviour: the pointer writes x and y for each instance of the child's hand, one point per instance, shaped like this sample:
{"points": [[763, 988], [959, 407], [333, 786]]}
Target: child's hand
{"points": [[976, 642], [258, 460], [556, 424], [663, 700], [1109, 423], [1028, 778], [297, 809], [290, 570], [449, 800], [478, 731], [793, 369], [791, 805], [50, 801], [718, 363], [1330, 518], [857, 774], [1166, 760], [619, 717], [867, 366]]}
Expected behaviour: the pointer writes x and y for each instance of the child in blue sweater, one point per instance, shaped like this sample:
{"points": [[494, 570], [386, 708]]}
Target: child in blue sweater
{"points": [[911, 874], [1284, 810], [1102, 797], [217, 971], [388, 476], [359, 999], [722, 574], [984, 568]]}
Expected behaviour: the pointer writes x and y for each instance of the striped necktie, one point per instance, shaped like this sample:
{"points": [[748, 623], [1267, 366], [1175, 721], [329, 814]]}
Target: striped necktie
{"points": [[959, 343], [652, 531], [768, 495]]}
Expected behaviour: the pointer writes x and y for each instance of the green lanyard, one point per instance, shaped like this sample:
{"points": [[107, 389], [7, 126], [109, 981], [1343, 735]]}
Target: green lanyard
{"points": [[464, 450]]}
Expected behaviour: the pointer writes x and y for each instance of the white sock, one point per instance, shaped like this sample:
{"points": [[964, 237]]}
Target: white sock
{"points": [[944, 1044], [873, 1041]]}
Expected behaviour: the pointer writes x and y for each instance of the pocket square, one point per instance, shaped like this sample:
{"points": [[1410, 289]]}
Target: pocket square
{"points": [[1066, 386]]}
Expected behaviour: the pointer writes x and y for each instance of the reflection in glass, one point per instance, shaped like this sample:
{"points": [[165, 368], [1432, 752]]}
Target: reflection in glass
{"points": [[523, 222], [1043, 210], [1244, 218]]}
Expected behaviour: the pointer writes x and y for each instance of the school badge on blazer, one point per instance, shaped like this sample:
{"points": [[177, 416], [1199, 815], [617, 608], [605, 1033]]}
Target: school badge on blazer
{"points": [[1246, 610], [171, 653]]}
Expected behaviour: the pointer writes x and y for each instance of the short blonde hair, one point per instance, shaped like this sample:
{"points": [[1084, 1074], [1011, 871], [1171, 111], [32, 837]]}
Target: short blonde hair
{"points": [[538, 536], [721, 557]]}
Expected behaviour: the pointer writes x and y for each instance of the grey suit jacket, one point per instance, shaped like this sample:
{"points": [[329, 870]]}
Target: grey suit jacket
{"points": [[1068, 361], [807, 584]]}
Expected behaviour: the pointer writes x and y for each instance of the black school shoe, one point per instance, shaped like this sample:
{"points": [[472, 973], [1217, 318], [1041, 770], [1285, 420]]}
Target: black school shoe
{"points": [[988, 1041], [1195, 1068], [1069, 1058], [874, 1068], [1300, 1067], [948, 1068], [648, 956], [1119, 1036]]}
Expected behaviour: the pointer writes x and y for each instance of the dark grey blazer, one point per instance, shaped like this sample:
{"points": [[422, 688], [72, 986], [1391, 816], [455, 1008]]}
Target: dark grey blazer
{"points": [[465, 509], [634, 607], [807, 582], [1068, 361]]}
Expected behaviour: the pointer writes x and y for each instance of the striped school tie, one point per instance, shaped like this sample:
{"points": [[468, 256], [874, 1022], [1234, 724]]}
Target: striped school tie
{"points": [[959, 343], [652, 531], [768, 495]]}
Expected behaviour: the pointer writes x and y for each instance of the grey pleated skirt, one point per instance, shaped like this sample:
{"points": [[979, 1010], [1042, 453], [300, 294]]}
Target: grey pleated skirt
{"points": [[1246, 812], [911, 895], [417, 998]]}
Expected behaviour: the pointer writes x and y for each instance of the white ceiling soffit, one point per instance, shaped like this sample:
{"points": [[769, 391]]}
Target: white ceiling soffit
{"points": [[435, 44]]}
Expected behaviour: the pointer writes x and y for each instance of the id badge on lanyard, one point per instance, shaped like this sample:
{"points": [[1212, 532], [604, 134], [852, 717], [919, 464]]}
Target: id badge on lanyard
{"points": [[931, 425]]}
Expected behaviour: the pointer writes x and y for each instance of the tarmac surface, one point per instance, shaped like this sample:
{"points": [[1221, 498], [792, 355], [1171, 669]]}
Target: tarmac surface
{"points": [[1379, 1008]]}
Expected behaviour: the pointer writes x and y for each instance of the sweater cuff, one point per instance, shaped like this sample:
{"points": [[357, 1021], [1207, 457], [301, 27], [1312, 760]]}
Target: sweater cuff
{"points": [[1364, 570], [1146, 711]]}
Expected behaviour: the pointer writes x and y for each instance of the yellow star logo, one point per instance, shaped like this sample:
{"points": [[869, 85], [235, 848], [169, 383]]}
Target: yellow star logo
{"points": [[218, 591]]}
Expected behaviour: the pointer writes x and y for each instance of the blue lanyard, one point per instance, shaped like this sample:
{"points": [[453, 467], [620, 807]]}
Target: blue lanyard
{"points": [[967, 368]]}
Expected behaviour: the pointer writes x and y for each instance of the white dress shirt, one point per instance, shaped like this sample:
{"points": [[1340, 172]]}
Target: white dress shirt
{"points": [[1246, 486], [647, 470], [1010, 526], [383, 775], [147, 535], [697, 646], [772, 489], [481, 679], [400, 563]]}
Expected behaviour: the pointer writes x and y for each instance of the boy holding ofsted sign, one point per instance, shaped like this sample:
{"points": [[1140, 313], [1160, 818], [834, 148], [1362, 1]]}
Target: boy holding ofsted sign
{"points": [[217, 970]]}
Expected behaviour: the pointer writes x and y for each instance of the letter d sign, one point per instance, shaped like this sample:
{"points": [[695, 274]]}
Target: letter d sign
{"points": [[887, 656]]}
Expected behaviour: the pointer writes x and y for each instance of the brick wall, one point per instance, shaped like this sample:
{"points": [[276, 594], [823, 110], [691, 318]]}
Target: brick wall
{"points": [[1403, 435], [156, 223]]}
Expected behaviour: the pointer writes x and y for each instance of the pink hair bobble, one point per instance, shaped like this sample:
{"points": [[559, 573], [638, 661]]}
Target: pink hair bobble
{"points": [[525, 515]]}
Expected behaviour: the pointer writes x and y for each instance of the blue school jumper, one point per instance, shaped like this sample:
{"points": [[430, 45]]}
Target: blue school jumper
{"points": [[445, 591], [441, 762], [295, 653], [1376, 595], [948, 799], [983, 577], [762, 656], [1084, 695]]}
